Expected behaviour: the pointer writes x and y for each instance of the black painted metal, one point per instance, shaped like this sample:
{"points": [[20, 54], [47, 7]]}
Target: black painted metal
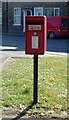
{"points": [[35, 79]]}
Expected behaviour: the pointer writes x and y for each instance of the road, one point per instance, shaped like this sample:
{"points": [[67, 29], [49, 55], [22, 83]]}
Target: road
{"points": [[58, 45], [16, 43], [14, 46]]}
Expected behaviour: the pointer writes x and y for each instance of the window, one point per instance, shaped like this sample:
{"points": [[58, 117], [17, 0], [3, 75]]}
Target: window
{"points": [[38, 11], [65, 22], [17, 16], [52, 12], [49, 12], [56, 11], [0, 15]]}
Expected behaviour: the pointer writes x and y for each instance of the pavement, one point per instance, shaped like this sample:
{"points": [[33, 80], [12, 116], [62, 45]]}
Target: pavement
{"points": [[5, 56]]}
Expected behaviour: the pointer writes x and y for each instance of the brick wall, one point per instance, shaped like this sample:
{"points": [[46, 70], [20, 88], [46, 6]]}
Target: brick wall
{"points": [[8, 13]]}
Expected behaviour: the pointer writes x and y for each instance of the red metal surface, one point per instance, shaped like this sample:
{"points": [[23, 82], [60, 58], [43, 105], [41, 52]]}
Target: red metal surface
{"points": [[54, 24], [35, 35]]}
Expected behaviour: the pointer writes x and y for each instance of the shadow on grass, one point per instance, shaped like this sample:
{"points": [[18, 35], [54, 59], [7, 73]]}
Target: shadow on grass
{"points": [[24, 111]]}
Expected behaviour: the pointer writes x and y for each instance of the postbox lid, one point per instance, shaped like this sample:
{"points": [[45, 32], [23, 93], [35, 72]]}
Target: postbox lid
{"points": [[35, 19]]}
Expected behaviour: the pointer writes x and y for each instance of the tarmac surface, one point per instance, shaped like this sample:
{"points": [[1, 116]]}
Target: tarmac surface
{"points": [[14, 47]]}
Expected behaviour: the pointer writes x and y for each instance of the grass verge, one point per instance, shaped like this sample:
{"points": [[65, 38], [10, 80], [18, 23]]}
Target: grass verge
{"points": [[17, 83]]}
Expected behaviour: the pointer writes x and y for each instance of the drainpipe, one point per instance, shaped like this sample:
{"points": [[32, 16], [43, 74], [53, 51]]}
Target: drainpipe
{"points": [[7, 16]]}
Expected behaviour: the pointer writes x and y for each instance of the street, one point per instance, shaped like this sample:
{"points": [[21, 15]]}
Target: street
{"points": [[58, 45], [16, 43], [14, 46]]}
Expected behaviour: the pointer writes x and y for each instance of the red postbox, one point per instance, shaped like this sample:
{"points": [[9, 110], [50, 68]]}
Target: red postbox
{"points": [[35, 35]]}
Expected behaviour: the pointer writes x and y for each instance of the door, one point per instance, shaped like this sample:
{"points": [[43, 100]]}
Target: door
{"points": [[26, 13]]}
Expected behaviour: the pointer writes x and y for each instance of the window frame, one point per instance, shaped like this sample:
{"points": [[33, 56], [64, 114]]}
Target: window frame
{"points": [[1, 16], [54, 10], [16, 16], [37, 8], [58, 11]]}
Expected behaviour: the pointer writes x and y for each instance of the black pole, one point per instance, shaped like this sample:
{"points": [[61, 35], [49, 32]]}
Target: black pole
{"points": [[35, 95]]}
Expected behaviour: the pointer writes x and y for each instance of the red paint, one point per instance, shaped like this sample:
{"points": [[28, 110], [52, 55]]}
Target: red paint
{"points": [[35, 35], [59, 25]]}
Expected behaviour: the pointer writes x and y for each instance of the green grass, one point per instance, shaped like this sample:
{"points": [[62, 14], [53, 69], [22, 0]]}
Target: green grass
{"points": [[17, 83]]}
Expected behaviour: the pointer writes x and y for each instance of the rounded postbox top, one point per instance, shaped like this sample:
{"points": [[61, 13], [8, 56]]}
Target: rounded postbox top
{"points": [[35, 19]]}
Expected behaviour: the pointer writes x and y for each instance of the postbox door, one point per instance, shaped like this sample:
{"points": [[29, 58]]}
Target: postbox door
{"points": [[35, 39]]}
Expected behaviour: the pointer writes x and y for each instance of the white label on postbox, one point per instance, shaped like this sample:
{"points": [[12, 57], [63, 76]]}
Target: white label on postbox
{"points": [[34, 27], [34, 42]]}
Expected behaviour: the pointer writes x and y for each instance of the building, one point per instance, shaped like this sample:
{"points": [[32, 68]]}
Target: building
{"points": [[0, 17], [13, 14]]}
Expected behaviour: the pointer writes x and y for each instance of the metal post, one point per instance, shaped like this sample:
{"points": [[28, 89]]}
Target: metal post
{"points": [[35, 79]]}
